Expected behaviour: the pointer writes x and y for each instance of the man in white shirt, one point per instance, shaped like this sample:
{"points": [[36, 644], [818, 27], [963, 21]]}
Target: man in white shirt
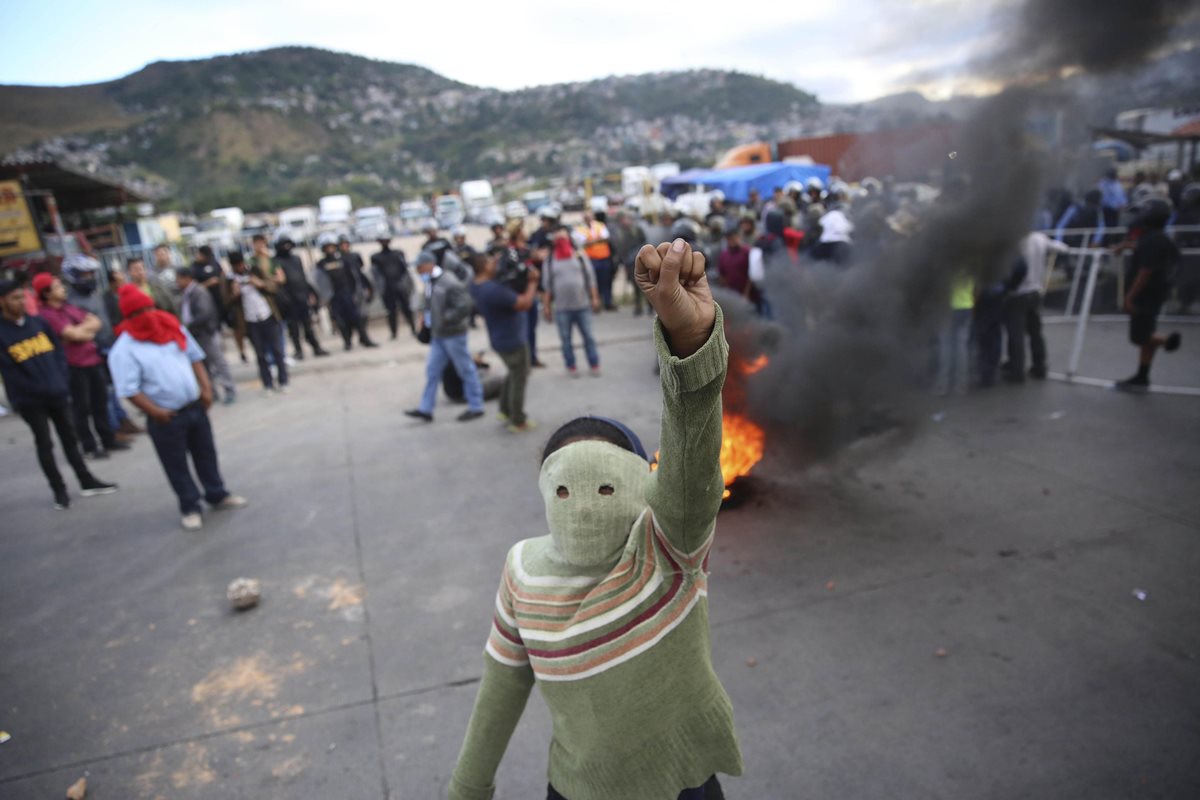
{"points": [[1023, 309], [254, 291]]}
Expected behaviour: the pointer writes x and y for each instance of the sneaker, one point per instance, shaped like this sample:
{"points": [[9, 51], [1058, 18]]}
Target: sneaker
{"points": [[230, 399], [119, 445], [96, 487], [574, 373], [62, 500], [95, 455], [1134, 384], [231, 501], [269, 391], [346, 347], [500, 415], [282, 389], [469, 415], [192, 521], [524, 427], [291, 362], [1173, 342], [417, 413], [594, 372]]}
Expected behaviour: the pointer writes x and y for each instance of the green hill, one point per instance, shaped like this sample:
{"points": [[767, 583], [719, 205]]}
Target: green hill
{"points": [[283, 126]]}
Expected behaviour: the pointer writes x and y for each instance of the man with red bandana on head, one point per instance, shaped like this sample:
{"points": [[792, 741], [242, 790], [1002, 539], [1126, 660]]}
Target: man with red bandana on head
{"points": [[157, 365]]}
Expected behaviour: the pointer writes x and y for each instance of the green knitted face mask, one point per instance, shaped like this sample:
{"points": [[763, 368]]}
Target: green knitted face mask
{"points": [[594, 492]]}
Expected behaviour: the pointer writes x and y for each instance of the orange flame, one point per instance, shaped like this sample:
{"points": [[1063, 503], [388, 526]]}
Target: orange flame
{"points": [[751, 367], [741, 439], [741, 447]]}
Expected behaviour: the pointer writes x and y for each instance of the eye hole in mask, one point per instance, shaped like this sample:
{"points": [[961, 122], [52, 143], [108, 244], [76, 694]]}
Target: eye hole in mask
{"points": [[564, 492], [606, 490]]}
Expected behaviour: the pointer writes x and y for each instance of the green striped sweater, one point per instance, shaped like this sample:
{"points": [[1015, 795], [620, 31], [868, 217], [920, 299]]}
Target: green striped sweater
{"points": [[621, 653]]}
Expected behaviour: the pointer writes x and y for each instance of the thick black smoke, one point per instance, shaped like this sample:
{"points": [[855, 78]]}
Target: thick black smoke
{"points": [[850, 350], [1092, 35]]}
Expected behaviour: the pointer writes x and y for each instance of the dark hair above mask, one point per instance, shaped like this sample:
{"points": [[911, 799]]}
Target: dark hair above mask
{"points": [[602, 428]]}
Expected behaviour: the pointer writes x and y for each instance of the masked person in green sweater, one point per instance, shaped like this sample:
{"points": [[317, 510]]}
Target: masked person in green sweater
{"points": [[608, 614]]}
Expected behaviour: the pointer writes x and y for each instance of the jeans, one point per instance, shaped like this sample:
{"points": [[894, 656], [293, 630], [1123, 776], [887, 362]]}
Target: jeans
{"points": [[512, 395], [39, 418], [533, 319], [603, 267], [89, 399], [266, 340], [1023, 316], [188, 432], [711, 790], [581, 318], [954, 354], [214, 361], [451, 349]]}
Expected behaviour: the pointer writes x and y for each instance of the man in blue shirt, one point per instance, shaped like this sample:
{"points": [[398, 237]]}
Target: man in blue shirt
{"points": [[504, 312], [159, 366], [1112, 195]]}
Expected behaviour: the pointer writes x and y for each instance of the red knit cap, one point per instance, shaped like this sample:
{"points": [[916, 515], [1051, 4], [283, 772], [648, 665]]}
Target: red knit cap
{"points": [[41, 282], [132, 299]]}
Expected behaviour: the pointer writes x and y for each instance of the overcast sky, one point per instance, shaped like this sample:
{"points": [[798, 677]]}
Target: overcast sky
{"points": [[843, 51]]}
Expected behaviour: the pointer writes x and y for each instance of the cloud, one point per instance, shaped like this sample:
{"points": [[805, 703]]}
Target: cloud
{"points": [[850, 50]]}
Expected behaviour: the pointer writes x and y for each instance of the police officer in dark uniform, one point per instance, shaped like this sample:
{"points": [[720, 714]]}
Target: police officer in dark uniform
{"points": [[435, 245], [390, 269], [300, 297], [343, 287]]}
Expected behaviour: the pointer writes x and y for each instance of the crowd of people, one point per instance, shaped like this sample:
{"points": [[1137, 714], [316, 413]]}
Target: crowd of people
{"points": [[72, 354]]}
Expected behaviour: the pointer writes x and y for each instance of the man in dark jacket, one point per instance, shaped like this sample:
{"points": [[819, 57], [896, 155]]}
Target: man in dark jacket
{"points": [[364, 290], [390, 270], [446, 314], [199, 315], [627, 239], [300, 297], [341, 287], [34, 369], [1148, 277]]}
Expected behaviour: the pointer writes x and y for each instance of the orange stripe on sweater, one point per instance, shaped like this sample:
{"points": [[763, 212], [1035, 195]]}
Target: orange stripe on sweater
{"points": [[626, 645], [591, 611]]}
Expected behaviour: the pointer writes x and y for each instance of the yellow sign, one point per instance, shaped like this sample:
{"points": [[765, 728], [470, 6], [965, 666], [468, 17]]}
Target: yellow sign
{"points": [[17, 231]]}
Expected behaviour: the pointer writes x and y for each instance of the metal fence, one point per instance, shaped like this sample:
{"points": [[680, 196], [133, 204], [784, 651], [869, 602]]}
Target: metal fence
{"points": [[1082, 269]]}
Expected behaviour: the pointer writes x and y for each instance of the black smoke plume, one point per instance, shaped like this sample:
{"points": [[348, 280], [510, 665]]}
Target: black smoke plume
{"points": [[850, 350]]}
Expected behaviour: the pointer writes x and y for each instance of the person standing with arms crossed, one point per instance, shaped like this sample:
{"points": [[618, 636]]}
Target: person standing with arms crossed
{"points": [[34, 369], [89, 379]]}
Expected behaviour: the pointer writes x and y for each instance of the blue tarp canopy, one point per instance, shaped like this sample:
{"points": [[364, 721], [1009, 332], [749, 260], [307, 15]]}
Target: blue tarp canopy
{"points": [[736, 182]]}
